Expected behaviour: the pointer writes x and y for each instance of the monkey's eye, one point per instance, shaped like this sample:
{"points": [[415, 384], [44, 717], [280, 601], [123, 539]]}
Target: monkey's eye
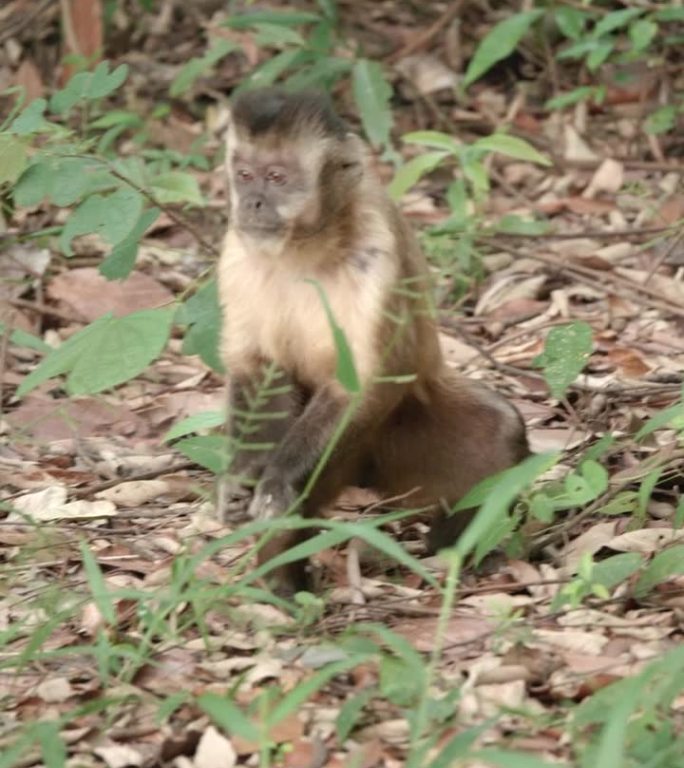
{"points": [[276, 177], [244, 175]]}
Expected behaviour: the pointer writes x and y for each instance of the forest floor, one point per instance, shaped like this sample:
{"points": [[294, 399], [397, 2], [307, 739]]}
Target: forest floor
{"points": [[113, 627]]}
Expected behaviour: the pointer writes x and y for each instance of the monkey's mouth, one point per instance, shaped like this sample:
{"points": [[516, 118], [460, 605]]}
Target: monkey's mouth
{"points": [[252, 225]]}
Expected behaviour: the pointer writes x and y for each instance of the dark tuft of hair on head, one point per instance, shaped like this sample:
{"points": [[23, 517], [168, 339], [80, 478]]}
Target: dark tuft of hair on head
{"points": [[276, 110]]}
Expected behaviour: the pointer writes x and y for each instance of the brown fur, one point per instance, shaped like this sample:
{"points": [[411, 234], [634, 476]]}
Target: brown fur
{"points": [[439, 433]]}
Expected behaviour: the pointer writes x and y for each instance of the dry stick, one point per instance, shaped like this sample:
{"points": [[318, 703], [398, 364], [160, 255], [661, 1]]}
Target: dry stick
{"points": [[421, 40], [44, 309], [81, 493], [621, 234], [4, 347], [592, 276], [665, 255]]}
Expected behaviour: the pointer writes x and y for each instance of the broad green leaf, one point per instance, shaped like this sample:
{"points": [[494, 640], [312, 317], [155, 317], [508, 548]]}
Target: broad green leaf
{"points": [[595, 476], [579, 50], [117, 118], [31, 119], [98, 587], [372, 94], [228, 716], [475, 173], [121, 260], [287, 18], [85, 86], [669, 14], [202, 313], [499, 43], [503, 758], [113, 217], [209, 451], [410, 173], [176, 187], [346, 369], [61, 180], [616, 569], [571, 21], [276, 35], [566, 351], [662, 120], [195, 68], [13, 154], [642, 33], [511, 146], [666, 564], [105, 353], [194, 423], [599, 55], [435, 140], [615, 20]]}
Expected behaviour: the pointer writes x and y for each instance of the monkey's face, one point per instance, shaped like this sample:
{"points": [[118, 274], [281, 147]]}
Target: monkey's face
{"points": [[272, 193]]}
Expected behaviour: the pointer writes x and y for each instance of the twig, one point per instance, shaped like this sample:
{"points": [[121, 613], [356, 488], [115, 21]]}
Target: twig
{"points": [[622, 234], [4, 347], [44, 309], [89, 490], [421, 40], [665, 255]]}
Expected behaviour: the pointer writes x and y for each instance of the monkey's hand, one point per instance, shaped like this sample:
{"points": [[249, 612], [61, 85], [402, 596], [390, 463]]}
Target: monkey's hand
{"points": [[231, 499], [272, 498]]}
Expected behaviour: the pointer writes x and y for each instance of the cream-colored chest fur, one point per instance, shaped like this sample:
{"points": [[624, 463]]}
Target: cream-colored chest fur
{"points": [[271, 312]]}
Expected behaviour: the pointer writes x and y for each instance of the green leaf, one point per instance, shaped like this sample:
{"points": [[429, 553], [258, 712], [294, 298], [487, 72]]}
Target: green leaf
{"points": [[642, 33], [595, 92], [228, 716], [350, 713], [194, 423], [511, 223], [121, 260], [662, 120], [88, 86], [666, 564], [503, 490], [105, 353], [323, 73], [276, 36], [195, 68], [13, 154], [600, 54], [372, 94], [615, 20], [595, 476], [669, 14], [25, 339], [52, 746], [513, 759], [571, 21], [499, 43], [62, 180], [616, 569], [511, 146], [286, 18], [202, 313], [112, 217], [566, 351], [98, 587], [268, 72], [209, 451], [412, 171], [662, 419], [435, 140], [176, 187], [346, 370], [31, 119]]}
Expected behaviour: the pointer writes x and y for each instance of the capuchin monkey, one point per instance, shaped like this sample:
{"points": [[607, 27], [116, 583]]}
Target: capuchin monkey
{"points": [[308, 214]]}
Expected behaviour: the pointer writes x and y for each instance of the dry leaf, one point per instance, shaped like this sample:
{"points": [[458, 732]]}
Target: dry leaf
{"points": [[214, 751]]}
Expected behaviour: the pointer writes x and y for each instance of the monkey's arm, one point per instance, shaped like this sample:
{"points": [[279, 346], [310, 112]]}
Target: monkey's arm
{"points": [[298, 453]]}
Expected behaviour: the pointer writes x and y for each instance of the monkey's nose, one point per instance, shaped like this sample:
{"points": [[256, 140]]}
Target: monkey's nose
{"points": [[254, 203]]}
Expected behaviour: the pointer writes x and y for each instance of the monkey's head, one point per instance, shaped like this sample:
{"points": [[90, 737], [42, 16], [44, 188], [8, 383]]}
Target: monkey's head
{"points": [[292, 165]]}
